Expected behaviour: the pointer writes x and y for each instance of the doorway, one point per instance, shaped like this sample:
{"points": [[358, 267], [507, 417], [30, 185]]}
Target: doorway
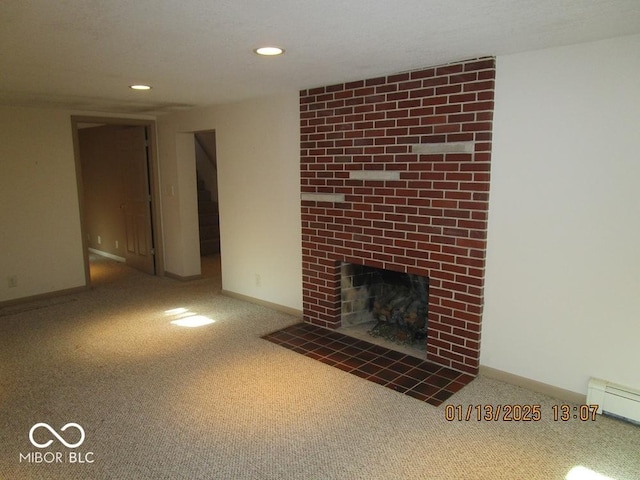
{"points": [[117, 188], [207, 195]]}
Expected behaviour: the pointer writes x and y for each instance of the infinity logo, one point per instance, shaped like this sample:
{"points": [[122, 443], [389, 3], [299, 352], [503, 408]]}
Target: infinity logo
{"points": [[55, 434]]}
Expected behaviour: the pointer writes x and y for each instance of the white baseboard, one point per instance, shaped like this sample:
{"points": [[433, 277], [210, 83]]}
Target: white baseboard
{"points": [[181, 278], [42, 296], [108, 255], [539, 387], [273, 306]]}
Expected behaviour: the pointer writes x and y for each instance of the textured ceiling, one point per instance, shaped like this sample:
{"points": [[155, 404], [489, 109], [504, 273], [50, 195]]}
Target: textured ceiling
{"points": [[83, 54]]}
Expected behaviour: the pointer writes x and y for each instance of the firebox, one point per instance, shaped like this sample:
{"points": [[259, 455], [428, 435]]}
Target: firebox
{"points": [[389, 304]]}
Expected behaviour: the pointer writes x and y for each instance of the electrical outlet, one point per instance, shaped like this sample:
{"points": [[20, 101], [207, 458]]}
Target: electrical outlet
{"points": [[258, 280], [12, 281], [99, 240], [116, 243]]}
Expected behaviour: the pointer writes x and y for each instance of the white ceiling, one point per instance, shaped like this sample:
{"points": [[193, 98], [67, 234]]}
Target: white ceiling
{"points": [[83, 54]]}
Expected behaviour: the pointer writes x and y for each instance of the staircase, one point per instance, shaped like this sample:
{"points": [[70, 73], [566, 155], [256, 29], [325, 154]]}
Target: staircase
{"points": [[208, 220]]}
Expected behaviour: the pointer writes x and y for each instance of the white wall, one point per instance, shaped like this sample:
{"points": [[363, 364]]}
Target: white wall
{"points": [[40, 239], [259, 195], [563, 262]]}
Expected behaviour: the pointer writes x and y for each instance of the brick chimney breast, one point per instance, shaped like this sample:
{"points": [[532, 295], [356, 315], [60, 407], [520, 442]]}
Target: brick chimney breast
{"points": [[395, 175]]}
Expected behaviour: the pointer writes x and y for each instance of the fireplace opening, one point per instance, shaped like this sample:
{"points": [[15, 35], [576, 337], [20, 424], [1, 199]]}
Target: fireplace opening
{"points": [[386, 305]]}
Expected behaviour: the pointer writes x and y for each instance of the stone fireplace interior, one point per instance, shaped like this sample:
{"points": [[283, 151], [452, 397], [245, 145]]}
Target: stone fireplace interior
{"points": [[385, 307]]}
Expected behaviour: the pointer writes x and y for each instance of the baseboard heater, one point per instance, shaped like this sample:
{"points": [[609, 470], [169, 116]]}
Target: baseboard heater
{"points": [[616, 400]]}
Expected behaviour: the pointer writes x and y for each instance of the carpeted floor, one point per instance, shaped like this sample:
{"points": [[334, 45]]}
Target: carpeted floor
{"points": [[158, 400]]}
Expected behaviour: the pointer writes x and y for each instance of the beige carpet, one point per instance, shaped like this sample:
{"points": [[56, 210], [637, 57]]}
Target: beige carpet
{"points": [[161, 401]]}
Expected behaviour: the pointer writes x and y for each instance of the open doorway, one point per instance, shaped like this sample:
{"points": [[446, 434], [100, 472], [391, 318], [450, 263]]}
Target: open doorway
{"points": [[208, 211], [115, 163]]}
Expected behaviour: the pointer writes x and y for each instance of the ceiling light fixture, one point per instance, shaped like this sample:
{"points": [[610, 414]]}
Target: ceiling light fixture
{"points": [[140, 87], [269, 51]]}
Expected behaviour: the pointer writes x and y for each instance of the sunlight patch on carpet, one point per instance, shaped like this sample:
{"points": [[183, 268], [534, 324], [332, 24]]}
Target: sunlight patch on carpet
{"points": [[183, 317], [584, 473]]}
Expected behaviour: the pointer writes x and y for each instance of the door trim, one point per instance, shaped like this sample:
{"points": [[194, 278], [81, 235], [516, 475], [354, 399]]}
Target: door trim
{"points": [[156, 220]]}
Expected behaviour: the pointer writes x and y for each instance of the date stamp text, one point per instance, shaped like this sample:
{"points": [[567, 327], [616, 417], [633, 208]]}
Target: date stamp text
{"points": [[518, 413]]}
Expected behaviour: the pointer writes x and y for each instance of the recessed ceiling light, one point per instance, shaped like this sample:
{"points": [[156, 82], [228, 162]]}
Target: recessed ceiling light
{"points": [[269, 51], [140, 87]]}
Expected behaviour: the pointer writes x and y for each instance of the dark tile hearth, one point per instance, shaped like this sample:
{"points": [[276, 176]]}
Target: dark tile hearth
{"points": [[403, 373]]}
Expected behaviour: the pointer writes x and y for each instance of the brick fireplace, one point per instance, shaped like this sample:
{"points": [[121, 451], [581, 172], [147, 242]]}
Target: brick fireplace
{"points": [[395, 175]]}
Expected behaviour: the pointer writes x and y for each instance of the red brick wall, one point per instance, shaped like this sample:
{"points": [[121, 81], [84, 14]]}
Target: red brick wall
{"points": [[431, 221]]}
